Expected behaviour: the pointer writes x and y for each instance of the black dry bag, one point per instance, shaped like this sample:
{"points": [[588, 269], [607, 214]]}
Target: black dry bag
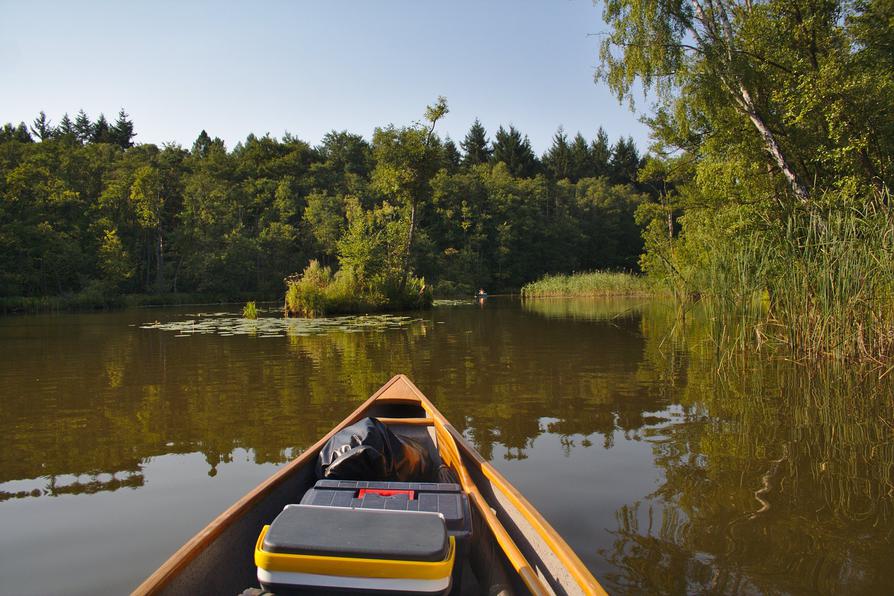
{"points": [[368, 450]]}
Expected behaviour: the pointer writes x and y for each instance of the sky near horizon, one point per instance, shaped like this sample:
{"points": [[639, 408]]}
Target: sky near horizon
{"points": [[311, 67]]}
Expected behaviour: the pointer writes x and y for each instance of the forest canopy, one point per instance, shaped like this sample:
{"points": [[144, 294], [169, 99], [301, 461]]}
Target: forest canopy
{"points": [[83, 208]]}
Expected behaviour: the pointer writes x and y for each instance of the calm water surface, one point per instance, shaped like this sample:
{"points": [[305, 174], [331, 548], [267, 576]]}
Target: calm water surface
{"points": [[666, 467]]}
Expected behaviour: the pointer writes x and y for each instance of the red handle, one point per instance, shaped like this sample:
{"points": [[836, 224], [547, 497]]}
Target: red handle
{"points": [[384, 492]]}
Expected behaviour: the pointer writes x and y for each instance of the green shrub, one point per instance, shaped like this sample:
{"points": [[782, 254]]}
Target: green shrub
{"points": [[449, 289], [250, 310], [318, 292], [306, 293]]}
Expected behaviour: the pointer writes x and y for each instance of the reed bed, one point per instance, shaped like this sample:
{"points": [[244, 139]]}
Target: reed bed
{"points": [[593, 283], [821, 284]]}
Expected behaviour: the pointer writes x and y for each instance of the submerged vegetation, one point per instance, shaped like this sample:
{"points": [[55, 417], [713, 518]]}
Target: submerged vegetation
{"points": [[594, 283]]}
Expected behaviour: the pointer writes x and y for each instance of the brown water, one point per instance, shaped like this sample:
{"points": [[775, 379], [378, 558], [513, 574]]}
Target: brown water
{"points": [[667, 468]]}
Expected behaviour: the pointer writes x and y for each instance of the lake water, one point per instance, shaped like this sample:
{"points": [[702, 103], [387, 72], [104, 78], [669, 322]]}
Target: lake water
{"points": [[667, 466]]}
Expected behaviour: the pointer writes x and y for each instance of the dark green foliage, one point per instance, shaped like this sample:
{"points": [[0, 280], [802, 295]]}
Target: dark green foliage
{"points": [[100, 131], [476, 146], [15, 133], [83, 127], [345, 153], [66, 129], [581, 162], [625, 162], [600, 155], [83, 215], [557, 160], [515, 151], [202, 144], [576, 160], [122, 133], [452, 158], [324, 217], [42, 127]]}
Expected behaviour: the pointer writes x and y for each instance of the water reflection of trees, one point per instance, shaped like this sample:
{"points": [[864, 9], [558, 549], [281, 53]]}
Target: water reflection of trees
{"points": [[506, 379], [55, 486], [135, 394], [123, 395], [774, 477], [778, 478]]}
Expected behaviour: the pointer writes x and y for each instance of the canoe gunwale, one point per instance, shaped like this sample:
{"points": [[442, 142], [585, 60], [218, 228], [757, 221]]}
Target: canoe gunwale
{"points": [[548, 534], [195, 545], [400, 390]]}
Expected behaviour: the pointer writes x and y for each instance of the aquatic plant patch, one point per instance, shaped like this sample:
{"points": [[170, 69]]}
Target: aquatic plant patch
{"points": [[449, 302], [228, 324]]}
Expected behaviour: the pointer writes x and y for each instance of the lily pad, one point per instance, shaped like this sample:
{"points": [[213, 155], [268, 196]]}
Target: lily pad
{"points": [[229, 324]]}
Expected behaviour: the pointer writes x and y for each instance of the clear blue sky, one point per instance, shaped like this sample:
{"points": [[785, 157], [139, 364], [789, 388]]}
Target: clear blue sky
{"points": [[310, 67]]}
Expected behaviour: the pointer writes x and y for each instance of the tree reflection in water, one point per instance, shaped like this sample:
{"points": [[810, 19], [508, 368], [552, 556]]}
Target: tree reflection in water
{"points": [[780, 478], [770, 476]]}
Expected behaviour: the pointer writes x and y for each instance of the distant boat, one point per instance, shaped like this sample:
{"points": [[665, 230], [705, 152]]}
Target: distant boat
{"points": [[511, 549]]}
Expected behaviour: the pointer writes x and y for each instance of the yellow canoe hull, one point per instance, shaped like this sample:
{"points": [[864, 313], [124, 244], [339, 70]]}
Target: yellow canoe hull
{"points": [[218, 557]]}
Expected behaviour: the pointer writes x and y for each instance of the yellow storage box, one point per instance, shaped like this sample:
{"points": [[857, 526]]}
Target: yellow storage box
{"points": [[311, 549]]}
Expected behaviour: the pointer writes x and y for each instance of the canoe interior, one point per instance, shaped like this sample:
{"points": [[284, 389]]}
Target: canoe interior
{"points": [[226, 566], [513, 551]]}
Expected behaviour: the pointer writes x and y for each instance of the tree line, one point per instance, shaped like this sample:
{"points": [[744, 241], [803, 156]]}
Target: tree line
{"points": [[85, 209]]}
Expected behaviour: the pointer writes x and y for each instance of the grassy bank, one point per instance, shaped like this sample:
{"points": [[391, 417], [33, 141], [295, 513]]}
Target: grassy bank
{"points": [[594, 283]]}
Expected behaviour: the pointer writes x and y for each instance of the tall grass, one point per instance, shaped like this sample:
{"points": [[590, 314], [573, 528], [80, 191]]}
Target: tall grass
{"points": [[594, 283], [821, 283], [837, 296]]}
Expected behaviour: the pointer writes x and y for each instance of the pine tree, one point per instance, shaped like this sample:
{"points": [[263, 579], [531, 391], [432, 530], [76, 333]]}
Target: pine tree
{"points": [[15, 133], [122, 133], [42, 127], [515, 151], [202, 144], [83, 127], [625, 162], [581, 166], [100, 130], [475, 145], [557, 160], [600, 155], [451, 156], [66, 129]]}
